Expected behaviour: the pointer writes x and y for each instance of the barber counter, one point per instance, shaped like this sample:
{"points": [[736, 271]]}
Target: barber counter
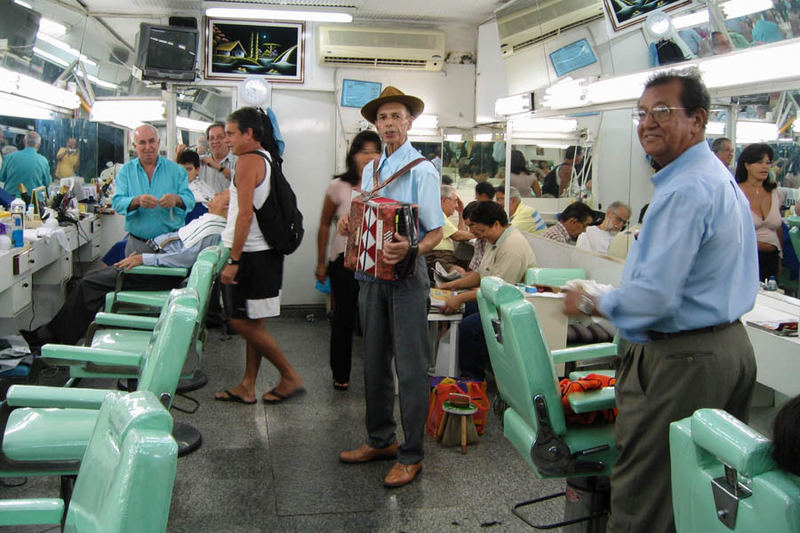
{"points": [[33, 277]]}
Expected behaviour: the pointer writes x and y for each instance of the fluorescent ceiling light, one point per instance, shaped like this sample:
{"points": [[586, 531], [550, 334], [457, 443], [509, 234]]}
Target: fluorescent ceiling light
{"points": [[771, 62], [64, 46], [545, 125], [483, 137], [127, 110], [423, 132], [453, 137], [278, 14], [751, 131], [50, 57], [549, 144], [31, 88], [715, 128], [51, 27], [16, 106], [191, 124], [101, 83], [565, 94], [426, 122], [514, 105], [23, 4]]}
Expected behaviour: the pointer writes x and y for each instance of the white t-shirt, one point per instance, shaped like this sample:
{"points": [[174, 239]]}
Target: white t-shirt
{"points": [[255, 239], [595, 239]]}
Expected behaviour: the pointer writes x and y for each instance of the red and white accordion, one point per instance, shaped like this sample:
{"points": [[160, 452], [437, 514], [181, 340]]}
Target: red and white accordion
{"points": [[373, 222]]}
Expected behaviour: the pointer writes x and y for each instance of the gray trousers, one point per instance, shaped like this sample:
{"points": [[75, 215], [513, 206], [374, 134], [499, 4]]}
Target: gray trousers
{"points": [[658, 383], [394, 321], [136, 246]]}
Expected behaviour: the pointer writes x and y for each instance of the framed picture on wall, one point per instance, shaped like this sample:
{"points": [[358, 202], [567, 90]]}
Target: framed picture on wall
{"points": [[626, 13], [239, 48]]}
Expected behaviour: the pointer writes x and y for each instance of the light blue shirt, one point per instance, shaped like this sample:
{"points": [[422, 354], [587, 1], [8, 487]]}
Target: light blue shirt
{"points": [[28, 167], [695, 262], [421, 185], [168, 177]]}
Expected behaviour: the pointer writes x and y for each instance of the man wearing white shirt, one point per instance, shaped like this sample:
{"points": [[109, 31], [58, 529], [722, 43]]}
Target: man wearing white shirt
{"points": [[598, 238], [217, 167]]}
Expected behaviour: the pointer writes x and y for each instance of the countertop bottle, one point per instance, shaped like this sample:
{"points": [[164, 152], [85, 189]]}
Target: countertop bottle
{"points": [[17, 222]]}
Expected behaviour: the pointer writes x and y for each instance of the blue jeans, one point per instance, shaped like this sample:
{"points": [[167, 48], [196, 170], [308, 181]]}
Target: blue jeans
{"points": [[473, 355]]}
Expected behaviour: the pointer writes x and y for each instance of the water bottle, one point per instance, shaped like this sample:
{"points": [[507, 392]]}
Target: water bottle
{"points": [[17, 221], [772, 284]]}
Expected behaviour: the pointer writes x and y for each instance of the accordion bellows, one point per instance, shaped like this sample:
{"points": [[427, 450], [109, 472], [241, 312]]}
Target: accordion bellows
{"points": [[373, 222]]}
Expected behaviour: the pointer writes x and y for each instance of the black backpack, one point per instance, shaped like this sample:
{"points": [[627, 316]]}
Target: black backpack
{"points": [[279, 219]]}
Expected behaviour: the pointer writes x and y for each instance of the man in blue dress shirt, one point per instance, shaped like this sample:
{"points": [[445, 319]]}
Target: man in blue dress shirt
{"points": [[151, 191], [394, 313], [27, 167], [689, 277]]}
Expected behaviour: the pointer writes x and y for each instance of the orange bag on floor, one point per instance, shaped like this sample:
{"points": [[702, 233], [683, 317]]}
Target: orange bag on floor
{"points": [[441, 392]]}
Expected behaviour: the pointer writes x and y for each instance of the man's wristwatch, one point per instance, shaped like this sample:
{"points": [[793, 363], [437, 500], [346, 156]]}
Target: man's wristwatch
{"points": [[232, 261], [585, 305]]}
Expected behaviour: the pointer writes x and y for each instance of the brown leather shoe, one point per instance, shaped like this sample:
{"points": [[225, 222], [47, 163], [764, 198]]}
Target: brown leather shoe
{"points": [[401, 474], [367, 453]]}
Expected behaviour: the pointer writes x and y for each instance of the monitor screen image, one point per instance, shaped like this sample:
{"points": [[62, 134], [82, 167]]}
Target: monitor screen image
{"points": [[167, 52], [572, 57], [356, 93]]}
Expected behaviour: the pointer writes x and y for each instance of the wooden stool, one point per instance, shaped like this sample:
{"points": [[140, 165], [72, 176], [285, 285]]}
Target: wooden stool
{"points": [[464, 413]]}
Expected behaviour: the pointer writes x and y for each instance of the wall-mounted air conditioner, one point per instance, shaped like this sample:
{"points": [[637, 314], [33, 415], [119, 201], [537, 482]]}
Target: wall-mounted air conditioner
{"points": [[343, 46], [520, 26]]}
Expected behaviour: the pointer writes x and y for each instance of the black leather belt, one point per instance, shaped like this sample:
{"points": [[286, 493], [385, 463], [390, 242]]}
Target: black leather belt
{"points": [[664, 335]]}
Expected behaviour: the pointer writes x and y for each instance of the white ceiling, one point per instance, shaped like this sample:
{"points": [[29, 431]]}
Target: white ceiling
{"points": [[124, 17]]}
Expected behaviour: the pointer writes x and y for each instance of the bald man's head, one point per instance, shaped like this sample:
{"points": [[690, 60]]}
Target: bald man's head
{"points": [[146, 143]]}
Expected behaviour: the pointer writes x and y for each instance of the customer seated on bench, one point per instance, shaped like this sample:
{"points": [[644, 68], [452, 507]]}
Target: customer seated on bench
{"points": [[126, 479], [508, 255], [176, 249]]}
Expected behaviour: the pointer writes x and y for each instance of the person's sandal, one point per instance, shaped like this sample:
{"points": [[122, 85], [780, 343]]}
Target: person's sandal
{"points": [[340, 386]]}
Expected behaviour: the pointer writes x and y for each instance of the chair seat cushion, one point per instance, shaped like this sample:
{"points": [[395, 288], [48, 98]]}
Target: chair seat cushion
{"points": [[130, 340], [48, 434]]}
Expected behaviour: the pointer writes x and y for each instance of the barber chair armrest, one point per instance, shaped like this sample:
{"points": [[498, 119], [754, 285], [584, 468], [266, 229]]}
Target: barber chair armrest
{"points": [[62, 354], [56, 397], [585, 353], [118, 320], [31, 511], [594, 400], [148, 270], [732, 442]]}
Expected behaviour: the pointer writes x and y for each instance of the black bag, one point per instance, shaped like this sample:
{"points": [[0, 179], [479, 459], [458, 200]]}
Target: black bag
{"points": [[669, 52], [279, 219]]}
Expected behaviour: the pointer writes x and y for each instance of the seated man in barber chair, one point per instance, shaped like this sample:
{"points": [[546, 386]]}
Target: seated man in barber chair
{"points": [[175, 249], [508, 255]]}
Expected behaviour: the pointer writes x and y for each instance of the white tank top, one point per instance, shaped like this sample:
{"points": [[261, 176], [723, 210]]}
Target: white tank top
{"points": [[255, 240]]}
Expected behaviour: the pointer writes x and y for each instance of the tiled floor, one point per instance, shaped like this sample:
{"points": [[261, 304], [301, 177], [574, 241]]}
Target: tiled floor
{"points": [[275, 467]]}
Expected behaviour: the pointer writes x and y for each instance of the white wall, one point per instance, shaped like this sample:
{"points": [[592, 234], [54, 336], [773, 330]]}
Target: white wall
{"points": [[490, 78], [317, 129]]}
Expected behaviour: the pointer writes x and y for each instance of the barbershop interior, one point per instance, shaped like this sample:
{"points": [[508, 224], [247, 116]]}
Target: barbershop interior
{"points": [[596, 190]]}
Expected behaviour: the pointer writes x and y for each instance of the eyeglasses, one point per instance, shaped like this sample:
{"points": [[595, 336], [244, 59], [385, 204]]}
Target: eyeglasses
{"points": [[659, 113], [621, 222]]}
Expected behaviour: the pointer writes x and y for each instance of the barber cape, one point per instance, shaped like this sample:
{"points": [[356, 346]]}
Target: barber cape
{"points": [[199, 228]]}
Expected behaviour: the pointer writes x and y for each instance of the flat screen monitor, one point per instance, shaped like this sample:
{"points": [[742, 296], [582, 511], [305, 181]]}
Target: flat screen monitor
{"points": [[572, 57], [167, 53], [356, 93], [19, 25]]}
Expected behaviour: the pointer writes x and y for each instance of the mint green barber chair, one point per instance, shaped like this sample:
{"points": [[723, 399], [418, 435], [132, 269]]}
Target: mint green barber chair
{"points": [[534, 421], [555, 277], [45, 430], [151, 302], [724, 478], [126, 477], [133, 332]]}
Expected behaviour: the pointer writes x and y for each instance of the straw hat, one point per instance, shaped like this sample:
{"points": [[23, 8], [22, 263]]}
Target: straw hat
{"points": [[392, 94]]}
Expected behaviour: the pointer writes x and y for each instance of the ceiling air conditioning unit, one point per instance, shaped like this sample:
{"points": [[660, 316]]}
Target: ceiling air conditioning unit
{"points": [[342, 46], [519, 25]]}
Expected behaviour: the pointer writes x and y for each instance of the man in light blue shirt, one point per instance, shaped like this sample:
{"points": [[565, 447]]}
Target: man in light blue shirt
{"points": [[689, 277], [394, 313], [27, 167], [151, 191]]}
